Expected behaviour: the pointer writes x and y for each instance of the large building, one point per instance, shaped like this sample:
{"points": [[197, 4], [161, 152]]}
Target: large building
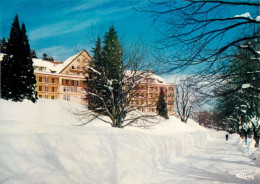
{"points": [[146, 94], [62, 80], [67, 81]]}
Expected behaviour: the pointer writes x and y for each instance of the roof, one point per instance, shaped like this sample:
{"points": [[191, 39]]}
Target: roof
{"points": [[147, 75], [55, 66], [70, 59]]}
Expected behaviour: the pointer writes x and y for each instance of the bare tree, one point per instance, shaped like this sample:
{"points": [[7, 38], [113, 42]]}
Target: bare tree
{"points": [[203, 31], [187, 99]]}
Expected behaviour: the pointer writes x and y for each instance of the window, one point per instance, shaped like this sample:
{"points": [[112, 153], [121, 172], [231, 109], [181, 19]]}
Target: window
{"points": [[72, 67], [64, 89], [84, 60], [66, 97], [78, 60], [40, 96], [52, 89], [78, 67], [77, 83], [52, 97], [72, 83], [53, 80], [40, 88], [40, 79], [68, 89], [67, 72], [67, 82]]}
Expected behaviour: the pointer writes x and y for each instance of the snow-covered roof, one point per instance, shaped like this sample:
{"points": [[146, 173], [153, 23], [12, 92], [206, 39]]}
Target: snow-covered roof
{"points": [[54, 66], [48, 65], [147, 75]]}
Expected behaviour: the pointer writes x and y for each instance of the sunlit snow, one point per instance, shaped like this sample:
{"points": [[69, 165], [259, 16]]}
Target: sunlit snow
{"points": [[40, 143]]}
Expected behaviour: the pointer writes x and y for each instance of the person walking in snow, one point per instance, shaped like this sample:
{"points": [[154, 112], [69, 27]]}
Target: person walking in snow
{"points": [[226, 137]]}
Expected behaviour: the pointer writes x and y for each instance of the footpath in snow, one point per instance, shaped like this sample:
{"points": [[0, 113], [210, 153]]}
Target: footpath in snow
{"points": [[41, 144], [219, 161]]}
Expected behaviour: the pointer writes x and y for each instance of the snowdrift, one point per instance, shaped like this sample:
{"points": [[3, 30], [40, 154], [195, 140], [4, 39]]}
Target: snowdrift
{"points": [[41, 144]]}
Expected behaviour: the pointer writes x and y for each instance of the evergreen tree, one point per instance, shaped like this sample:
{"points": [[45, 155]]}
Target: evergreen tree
{"points": [[112, 54], [239, 102], [44, 56], [18, 79], [33, 54], [50, 58], [162, 106], [105, 81], [113, 64], [95, 81], [2, 45]]}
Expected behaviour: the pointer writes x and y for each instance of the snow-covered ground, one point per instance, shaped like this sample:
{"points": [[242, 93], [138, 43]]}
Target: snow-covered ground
{"points": [[40, 143]]}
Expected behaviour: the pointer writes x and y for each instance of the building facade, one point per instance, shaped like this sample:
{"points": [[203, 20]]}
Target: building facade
{"points": [[62, 80], [67, 81]]}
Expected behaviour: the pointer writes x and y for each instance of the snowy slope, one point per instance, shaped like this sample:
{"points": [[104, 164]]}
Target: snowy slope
{"points": [[41, 144]]}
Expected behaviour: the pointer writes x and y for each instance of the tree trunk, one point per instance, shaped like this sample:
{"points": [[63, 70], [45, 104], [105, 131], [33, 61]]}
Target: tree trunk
{"points": [[256, 137]]}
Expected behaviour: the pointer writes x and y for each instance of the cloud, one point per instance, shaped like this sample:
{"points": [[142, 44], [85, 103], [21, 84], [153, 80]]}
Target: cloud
{"points": [[86, 6], [60, 29], [59, 53]]}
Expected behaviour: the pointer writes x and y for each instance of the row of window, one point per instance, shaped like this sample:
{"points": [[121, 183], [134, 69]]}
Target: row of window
{"points": [[78, 67], [47, 80], [70, 89], [70, 82], [151, 95], [47, 88], [46, 96], [73, 73], [84, 60], [72, 98]]}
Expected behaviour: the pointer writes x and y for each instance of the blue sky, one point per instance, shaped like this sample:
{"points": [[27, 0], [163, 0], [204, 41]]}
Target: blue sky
{"points": [[62, 28]]}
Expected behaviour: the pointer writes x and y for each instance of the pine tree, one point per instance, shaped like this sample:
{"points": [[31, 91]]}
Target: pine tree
{"points": [[113, 64], [2, 45], [95, 80], [44, 56], [239, 102], [162, 106], [33, 54], [112, 54], [18, 79], [29, 80], [105, 81]]}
